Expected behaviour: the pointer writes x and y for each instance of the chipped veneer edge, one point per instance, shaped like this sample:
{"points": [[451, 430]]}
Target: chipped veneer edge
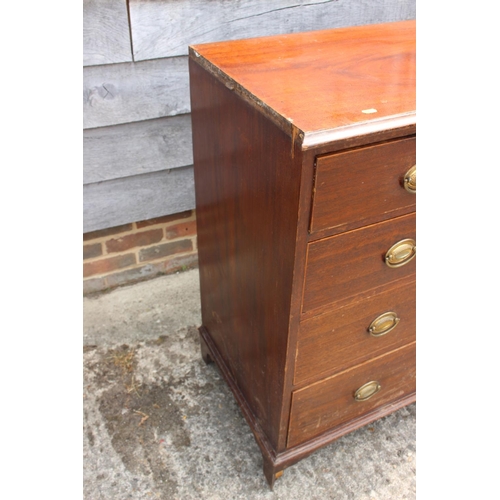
{"points": [[285, 124], [307, 140]]}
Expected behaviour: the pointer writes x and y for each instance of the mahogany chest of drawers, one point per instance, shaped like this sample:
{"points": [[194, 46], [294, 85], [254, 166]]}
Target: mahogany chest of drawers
{"points": [[305, 179]]}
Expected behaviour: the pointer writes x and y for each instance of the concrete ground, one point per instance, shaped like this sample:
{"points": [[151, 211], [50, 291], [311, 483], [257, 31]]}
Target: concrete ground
{"points": [[160, 424]]}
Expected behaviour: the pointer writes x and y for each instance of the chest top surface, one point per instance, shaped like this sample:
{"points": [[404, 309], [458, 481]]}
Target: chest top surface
{"points": [[323, 80]]}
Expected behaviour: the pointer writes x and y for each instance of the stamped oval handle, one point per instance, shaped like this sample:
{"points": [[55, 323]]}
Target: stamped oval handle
{"points": [[401, 253], [367, 390], [410, 180], [383, 324]]}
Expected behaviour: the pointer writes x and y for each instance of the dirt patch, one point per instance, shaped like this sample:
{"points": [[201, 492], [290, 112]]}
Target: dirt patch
{"points": [[143, 421]]}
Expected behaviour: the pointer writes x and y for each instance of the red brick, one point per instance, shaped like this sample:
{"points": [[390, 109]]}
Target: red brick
{"points": [[134, 240], [107, 232], [92, 250], [164, 220], [165, 250], [107, 265], [180, 230]]}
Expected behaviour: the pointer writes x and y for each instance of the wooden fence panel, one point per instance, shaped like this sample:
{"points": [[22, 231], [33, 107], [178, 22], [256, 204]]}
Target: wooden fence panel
{"points": [[166, 28], [106, 32], [140, 197], [136, 148], [131, 92]]}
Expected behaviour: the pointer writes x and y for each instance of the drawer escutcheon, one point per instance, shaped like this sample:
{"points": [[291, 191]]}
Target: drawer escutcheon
{"points": [[367, 390], [401, 253], [410, 180], [383, 324]]}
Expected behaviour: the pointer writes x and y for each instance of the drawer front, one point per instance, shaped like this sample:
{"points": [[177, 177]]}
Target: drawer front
{"points": [[347, 264], [363, 186], [323, 406], [336, 340]]}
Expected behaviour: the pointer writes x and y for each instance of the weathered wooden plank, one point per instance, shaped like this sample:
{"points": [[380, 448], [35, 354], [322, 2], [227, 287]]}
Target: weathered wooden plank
{"points": [[131, 92], [119, 201], [136, 148], [106, 34], [165, 29]]}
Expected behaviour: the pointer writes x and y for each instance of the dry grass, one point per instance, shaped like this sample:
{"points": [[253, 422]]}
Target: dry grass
{"points": [[125, 361]]}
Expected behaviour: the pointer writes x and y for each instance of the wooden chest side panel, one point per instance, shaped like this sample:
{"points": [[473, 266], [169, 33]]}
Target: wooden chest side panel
{"points": [[247, 197]]}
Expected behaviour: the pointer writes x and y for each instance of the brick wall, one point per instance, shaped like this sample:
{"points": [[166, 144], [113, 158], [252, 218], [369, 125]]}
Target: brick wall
{"points": [[138, 251]]}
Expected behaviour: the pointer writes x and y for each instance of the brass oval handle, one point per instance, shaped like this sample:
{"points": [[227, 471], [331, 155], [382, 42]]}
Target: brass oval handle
{"points": [[410, 180], [383, 324], [367, 390], [401, 253]]}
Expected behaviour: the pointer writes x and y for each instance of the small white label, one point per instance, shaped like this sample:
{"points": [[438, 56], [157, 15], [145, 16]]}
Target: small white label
{"points": [[368, 111]]}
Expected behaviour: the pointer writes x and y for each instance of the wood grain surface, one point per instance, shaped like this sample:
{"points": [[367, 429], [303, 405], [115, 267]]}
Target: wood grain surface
{"points": [[339, 339], [106, 35], [329, 403], [282, 308], [247, 196], [136, 148], [130, 92], [323, 80], [362, 186], [138, 197], [166, 28], [347, 264]]}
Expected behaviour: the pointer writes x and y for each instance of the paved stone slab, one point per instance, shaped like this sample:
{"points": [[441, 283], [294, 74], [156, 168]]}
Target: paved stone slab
{"points": [[160, 424]]}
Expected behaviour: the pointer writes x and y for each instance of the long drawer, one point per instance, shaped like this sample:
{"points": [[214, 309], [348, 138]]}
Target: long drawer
{"points": [[362, 186], [329, 403], [345, 265], [359, 331]]}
